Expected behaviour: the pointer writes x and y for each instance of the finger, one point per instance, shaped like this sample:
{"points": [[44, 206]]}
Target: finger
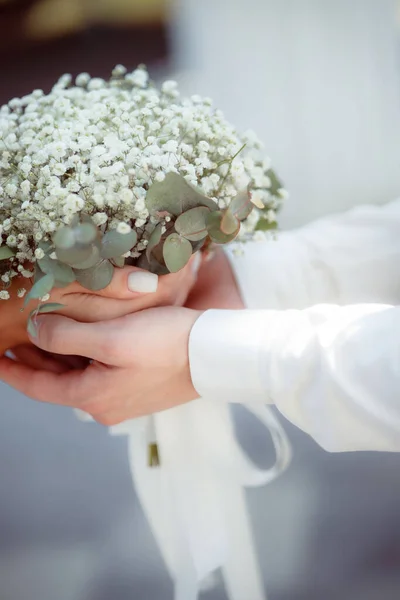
{"points": [[132, 283], [127, 283], [61, 335], [37, 359], [55, 388]]}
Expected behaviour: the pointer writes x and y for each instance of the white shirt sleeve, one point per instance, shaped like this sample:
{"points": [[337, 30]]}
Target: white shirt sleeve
{"points": [[334, 371], [347, 258]]}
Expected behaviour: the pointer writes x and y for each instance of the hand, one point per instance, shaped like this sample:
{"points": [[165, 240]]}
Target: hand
{"points": [[140, 366], [130, 290], [216, 286]]}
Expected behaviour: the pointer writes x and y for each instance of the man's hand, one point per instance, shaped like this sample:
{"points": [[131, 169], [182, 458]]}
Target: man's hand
{"points": [[140, 364], [216, 286]]}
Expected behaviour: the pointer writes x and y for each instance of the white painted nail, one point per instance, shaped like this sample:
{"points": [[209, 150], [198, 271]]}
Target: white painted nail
{"points": [[196, 263], [143, 282]]}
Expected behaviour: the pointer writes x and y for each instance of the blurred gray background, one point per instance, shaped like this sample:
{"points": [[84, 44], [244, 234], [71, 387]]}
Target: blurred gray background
{"points": [[319, 80]]}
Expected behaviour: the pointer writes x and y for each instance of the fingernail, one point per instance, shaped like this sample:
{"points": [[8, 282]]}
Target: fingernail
{"points": [[143, 282], [196, 263]]}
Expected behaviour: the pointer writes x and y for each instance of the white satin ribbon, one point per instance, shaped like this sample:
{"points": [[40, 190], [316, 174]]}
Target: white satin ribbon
{"points": [[194, 501]]}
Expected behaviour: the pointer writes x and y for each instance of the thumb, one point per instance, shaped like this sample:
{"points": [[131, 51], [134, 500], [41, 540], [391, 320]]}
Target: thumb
{"points": [[128, 283], [61, 335]]}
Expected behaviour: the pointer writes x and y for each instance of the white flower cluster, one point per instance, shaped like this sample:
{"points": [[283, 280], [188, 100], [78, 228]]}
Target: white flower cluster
{"points": [[96, 146]]}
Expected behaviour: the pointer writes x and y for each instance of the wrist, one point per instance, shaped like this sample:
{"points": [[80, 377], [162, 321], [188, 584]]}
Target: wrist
{"points": [[191, 317]]}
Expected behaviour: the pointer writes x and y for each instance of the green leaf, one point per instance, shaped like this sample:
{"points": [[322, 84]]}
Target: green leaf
{"points": [[85, 233], [93, 259], [49, 307], [62, 273], [97, 277], [6, 252], [31, 325], [118, 262], [154, 240], [241, 205], [229, 223], [38, 273], [192, 223], [73, 256], [114, 244], [196, 246], [214, 221], [151, 265], [42, 287], [85, 218], [276, 184], [177, 252], [175, 195], [265, 225], [64, 238]]}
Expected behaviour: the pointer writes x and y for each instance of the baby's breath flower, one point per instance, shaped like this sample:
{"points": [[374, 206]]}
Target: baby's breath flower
{"points": [[123, 228], [97, 146], [4, 295]]}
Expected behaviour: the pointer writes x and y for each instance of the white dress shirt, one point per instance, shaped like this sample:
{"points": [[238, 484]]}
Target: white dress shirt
{"points": [[321, 336]]}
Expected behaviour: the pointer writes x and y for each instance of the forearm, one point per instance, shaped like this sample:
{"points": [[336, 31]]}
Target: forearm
{"points": [[333, 371]]}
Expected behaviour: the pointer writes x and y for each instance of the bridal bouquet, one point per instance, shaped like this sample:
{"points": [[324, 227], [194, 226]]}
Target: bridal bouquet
{"points": [[98, 174]]}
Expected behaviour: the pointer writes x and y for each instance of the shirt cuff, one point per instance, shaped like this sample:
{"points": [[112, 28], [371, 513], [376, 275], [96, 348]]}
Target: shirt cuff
{"points": [[224, 354]]}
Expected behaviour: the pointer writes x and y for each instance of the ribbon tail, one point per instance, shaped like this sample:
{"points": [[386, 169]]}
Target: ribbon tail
{"points": [[241, 569]]}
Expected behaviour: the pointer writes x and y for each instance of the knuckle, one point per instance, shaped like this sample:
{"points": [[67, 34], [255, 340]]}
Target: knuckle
{"points": [[111, 349], [51, 338]]}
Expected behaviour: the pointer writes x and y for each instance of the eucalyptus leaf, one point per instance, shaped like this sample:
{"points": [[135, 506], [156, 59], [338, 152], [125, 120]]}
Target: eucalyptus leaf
{"points": [[73, 256], [265, 225], [92, 260], [192, 223], [241, 205], [6, 252], [49, 307], [177, 251], [38, 273], [214, 221], [196, 246], [74, 221], [154, 240], [85, 233], [229, 223], [276, 184], [118, 262], [42, 287], [62, 284], [31, 326], [175, 195], [64, 238], [97, 277], [114, 244], [151, 265], [62, 272], [85, 218]]}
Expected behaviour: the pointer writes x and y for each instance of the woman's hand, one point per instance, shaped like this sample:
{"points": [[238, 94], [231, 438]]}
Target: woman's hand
{"points": [[131, 290], [140, 364]]}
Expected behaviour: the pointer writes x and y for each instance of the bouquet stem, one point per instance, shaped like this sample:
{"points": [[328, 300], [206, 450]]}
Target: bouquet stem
{"points": [[153, 453]]}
